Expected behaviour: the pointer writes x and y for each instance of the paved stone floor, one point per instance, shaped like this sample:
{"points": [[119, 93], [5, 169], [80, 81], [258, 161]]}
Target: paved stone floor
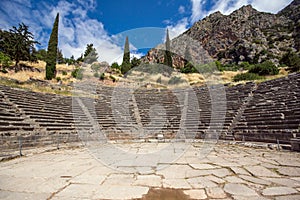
{"points": [[227, 172]]}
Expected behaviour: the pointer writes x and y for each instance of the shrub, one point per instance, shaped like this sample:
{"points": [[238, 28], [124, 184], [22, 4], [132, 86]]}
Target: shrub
{"points": [[95, 67], [188, 68], [58, 79], [113, 78], [96, 74], [77, 73], [265, 68], [246, 77], [245, 65], [292, 60], [219, 66], [64, 73], [175, 80], [231, 67], [5, 60], [206, 68], [4, 71], [115, 65], [102, 77]]}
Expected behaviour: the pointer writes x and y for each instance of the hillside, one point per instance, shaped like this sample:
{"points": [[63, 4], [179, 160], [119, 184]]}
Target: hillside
{"points": [[244, 35]]}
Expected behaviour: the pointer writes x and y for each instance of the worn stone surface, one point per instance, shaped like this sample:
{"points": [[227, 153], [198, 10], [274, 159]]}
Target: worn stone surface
{"points": [[215, 192], [289, 197], [176, 183], [289, 171], [255, 180], [278, 191], [75, 174], [261, 171], [148, 180], [239, 189], [196, 194]]}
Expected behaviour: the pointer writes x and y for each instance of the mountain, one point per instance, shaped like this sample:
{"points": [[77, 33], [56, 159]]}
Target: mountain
{"points": [[244, 35]]}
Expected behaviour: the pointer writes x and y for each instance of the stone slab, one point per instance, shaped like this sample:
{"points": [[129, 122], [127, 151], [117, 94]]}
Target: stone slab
{"points": [[176, 183], [120, 192], [261, 171], [273, 191], [216, 192], [239, 189], [148, 180], [196, 194]]}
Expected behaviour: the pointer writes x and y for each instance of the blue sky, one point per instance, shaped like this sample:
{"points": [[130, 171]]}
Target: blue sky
{"points": [[105, 23]]}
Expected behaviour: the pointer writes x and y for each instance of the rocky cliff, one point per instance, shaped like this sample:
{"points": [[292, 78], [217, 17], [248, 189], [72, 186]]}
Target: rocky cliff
{"points": [[244, 35]]}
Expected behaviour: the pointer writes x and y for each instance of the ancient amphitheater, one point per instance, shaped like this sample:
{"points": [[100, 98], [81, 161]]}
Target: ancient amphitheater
{"points": [[262, 115]]}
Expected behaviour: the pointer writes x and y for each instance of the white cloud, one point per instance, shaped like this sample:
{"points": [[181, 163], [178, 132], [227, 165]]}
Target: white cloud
{"points": [[226, 7], [198, 12], [266, 6], [181, 9], [76, 29], [178, 28]]}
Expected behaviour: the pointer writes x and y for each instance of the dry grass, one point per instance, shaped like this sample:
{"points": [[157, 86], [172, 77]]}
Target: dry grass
{"points": [[36, 88], [227, 76], [38, 73], [23, 75], [42, 65]]}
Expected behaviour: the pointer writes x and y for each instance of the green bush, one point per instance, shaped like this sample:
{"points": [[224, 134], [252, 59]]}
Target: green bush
{"points": [[64, 73], [265, 68], [115, 65], [77, 73], [5, 60], [219, 66], [102, 77], [4, 71], [58, 79], [206, 68], [96, 74], [245, 65], [292, 60], [246, 77], [188, 68], [95, 67], [113, 78]]}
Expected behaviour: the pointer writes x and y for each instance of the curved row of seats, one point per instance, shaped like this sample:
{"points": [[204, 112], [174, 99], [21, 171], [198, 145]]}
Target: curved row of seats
{"points": [[269, 111]]}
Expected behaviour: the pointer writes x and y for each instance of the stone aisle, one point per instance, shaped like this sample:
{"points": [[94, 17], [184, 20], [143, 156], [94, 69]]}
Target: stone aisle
{"points": [[227, 172]]}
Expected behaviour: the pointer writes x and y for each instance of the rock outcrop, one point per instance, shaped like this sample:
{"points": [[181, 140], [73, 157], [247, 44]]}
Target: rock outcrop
{"points": [[244, 35]]}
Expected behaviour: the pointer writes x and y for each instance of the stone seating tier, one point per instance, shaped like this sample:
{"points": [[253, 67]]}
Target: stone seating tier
{"points": [[266, 112]]}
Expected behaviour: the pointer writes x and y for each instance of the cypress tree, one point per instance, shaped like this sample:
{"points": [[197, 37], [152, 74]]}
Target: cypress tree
{"points": [[168, 54], [188, 62], [126, 66], [52, 51]]}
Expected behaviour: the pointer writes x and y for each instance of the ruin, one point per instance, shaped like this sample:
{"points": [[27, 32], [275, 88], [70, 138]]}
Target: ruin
{"points": [[266, 112]]}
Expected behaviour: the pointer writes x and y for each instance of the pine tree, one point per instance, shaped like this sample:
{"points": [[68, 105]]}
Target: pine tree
{"points": [[126, 65], [18, 43], [52, 51], [90, 54], [168, 54]]}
